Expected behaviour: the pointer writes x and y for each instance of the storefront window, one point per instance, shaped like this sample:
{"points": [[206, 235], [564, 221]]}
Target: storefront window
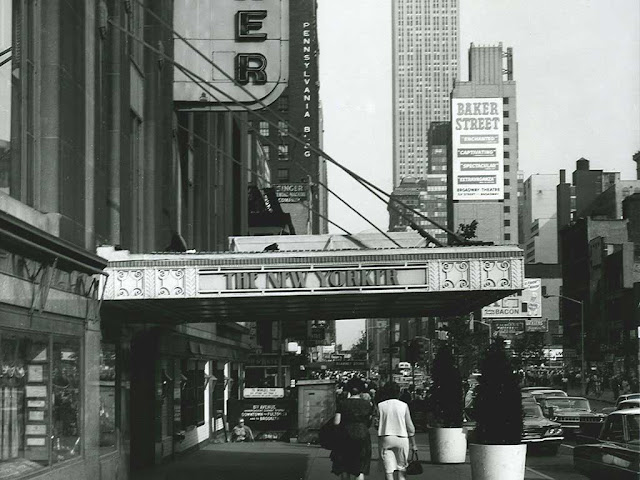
{"points": [[24, 403], [107, 397], [192, 394], [65, 411]]}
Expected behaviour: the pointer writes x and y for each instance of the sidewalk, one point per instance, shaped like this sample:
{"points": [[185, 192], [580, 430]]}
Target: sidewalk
{"points": [[284, 461]]}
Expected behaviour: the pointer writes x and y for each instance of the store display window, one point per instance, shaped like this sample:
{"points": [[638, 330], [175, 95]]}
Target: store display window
{"points": [[24, 403], [107, 397], [67, 398]]}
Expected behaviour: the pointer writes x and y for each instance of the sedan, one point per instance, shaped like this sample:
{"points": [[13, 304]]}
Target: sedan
{"points": [[616, 453], [540, 431]]}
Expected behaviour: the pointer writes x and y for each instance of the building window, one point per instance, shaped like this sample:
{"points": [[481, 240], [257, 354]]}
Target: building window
{"points": [[18, 99], [505, 127], [507, 155], [505, 100], [283, 128], [507, 209], [283, 103], [266, 149], [283, 152], [506, 168], [192, 395], [506, 141], [283, 174], [507, 195], [507, 223], [505, 114], [507, 236], [507, 181], [264, 129]]}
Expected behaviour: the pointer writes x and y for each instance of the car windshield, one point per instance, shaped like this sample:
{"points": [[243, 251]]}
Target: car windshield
{"points": [[569, 403], [532, 411]]}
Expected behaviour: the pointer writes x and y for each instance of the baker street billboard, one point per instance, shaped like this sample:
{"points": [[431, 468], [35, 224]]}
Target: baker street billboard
{"points": [[477, 148]]}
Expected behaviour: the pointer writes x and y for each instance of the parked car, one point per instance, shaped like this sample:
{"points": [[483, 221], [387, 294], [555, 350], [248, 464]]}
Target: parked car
{"points": [[539, 431], [537, 394], [573, 413], [631, 403], [615, 454], [621, 398], [531, 389], [528, 398]]}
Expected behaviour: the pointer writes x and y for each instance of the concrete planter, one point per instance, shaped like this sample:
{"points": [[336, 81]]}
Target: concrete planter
{"points": [[447, 445], [489, 462]]}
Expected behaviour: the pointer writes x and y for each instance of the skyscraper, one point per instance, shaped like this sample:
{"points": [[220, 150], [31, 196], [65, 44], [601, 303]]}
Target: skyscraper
{"points": [[485, 146], [425, 64]]}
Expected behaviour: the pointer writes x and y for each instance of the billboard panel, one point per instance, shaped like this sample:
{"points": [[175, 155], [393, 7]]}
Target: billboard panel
{"points": [[477, 149], [519, 305]]}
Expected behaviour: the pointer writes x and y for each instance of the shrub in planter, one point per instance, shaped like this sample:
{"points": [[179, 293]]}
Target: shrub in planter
{"points": [[497, 406], [447, 441], [446, 391], [497, 451]]}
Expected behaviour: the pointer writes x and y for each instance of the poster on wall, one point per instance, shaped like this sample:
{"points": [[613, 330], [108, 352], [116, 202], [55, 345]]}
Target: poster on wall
{"points": [[478, 157], [525, 304]]}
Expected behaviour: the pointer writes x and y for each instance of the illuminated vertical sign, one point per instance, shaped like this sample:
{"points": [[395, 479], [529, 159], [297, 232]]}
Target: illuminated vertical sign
{"points": [[247, 43], [478, 157]]}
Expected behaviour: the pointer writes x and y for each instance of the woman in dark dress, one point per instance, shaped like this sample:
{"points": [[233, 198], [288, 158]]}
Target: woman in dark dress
{"points": [[352, 454]]}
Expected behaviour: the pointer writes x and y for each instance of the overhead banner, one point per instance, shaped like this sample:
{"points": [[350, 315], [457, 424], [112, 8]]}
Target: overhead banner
{"points": [[526, 304], [477, 149]]}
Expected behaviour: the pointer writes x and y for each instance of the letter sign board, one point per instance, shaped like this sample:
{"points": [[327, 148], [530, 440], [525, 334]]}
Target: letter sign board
{"points": [[476, 131], [247, 44]]}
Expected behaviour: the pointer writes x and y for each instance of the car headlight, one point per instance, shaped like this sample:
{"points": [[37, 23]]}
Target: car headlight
{"points": [[552, 432]]}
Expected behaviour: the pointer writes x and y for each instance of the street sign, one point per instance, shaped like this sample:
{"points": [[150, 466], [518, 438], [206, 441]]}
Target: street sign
{"points": [[351, 364], [390, 350]]}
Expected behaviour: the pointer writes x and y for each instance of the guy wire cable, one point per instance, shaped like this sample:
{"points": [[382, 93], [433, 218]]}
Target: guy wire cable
{"points": [[316, 150]]}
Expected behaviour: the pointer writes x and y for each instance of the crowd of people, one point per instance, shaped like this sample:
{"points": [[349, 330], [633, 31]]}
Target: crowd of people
{"points": [[359, 405]]}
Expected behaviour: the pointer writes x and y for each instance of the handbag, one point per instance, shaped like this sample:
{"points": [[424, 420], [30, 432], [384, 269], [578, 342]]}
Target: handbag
{"points": [[414, 467], [327, 435]]}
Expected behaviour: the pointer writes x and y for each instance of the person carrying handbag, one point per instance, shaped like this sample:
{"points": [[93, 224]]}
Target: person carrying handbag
{"points": [[396, 433]]}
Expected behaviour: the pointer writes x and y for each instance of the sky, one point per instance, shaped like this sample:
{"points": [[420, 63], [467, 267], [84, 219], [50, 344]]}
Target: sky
{"points": [[577, 69]]}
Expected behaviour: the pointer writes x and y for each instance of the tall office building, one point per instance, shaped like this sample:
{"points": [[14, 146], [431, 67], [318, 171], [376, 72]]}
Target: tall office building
{"points": [[425, 64], [540, 222], [296, 169], [484, 173]]}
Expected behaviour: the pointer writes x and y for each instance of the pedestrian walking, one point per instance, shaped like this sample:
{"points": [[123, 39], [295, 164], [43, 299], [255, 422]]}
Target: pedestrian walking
{"points": [[396, 433], [352, 454]]}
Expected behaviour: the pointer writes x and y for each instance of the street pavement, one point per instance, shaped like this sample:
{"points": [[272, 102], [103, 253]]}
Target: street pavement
{"points": [[283, 461]]}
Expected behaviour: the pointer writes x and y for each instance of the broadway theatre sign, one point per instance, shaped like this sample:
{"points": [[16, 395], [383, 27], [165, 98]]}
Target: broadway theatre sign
{"points": [[311, 279]]}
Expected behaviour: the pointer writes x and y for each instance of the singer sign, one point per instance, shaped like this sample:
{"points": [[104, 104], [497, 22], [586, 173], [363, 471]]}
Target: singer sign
{"points": [[247, 47]]}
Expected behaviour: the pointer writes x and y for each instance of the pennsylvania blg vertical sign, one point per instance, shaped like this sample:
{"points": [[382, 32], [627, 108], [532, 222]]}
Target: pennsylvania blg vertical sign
{"points": [[477, 149]]}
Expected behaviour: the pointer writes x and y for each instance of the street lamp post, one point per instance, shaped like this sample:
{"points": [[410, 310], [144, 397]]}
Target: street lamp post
{"points": [[485, 324], [583, 380]]}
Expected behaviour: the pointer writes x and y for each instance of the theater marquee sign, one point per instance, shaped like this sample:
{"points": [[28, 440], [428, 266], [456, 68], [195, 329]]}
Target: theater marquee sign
{"points": [[247, 45], [317, 285]]}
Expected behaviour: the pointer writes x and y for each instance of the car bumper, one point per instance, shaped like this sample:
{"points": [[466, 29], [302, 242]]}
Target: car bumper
{"points": [[543, 440]]}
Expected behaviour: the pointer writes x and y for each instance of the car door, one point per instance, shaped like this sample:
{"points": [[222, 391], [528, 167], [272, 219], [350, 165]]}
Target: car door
{"points": [[616, 456]]}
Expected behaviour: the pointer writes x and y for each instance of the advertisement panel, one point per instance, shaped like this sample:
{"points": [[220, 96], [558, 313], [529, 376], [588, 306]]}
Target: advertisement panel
{"points": [[477, 149], [291, 192], [526, 304], [507, 327], [537, 324]]}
